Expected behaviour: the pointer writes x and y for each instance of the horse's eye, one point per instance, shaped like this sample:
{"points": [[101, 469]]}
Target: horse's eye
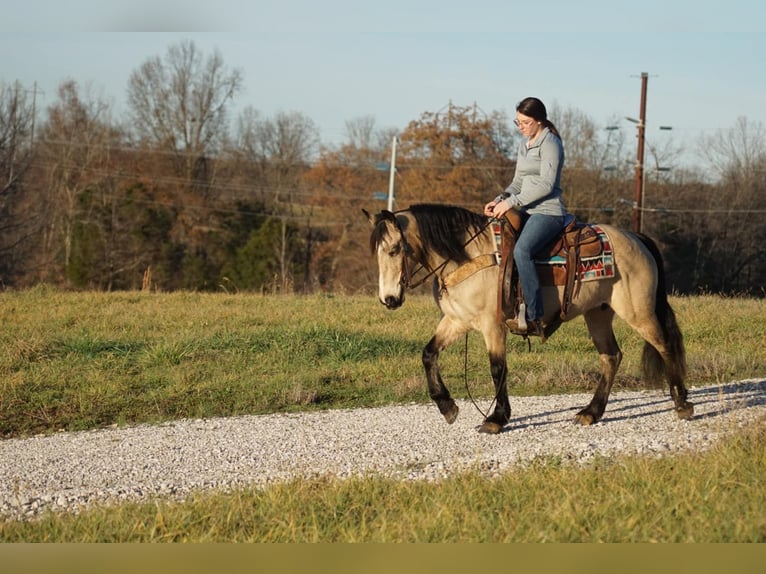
{"points": [[395, 250]]}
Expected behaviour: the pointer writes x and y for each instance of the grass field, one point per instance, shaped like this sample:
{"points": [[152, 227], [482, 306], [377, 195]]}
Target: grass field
{"points": [[73, 361]]}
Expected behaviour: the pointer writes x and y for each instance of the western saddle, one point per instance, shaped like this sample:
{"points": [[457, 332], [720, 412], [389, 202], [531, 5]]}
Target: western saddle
{"points": [[575, 241]]}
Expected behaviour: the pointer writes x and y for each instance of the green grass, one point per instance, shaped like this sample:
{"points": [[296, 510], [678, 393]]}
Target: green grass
{"points": [[76, 361], [611, 500]]}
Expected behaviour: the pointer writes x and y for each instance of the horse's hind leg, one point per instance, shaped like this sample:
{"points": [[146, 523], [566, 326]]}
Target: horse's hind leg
{"points": [[599, 323], [664, 355]]}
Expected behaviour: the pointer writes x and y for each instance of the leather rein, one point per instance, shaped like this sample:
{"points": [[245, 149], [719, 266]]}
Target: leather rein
{"points": [[407, 273]]}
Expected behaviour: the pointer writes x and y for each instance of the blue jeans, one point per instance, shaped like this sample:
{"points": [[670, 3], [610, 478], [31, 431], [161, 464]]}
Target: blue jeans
{"points": [[538, 231]]}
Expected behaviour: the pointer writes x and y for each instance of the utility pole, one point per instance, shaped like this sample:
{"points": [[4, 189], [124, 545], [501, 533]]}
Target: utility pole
{"points": [[392, 174], [638, 197]]}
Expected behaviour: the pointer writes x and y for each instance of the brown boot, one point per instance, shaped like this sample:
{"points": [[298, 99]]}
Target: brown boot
{"points": [[536, 329], [533, 328], [513, 326]]}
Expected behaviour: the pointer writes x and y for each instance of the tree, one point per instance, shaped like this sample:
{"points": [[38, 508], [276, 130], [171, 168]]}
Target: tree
{"points": [[460, 156], [341, 181], [280, 150], [736, 154], [16, 125], [268, 260], [723, 225], [179, 105], [363, 134], [119, 239], [16, 153], [77, 142]]}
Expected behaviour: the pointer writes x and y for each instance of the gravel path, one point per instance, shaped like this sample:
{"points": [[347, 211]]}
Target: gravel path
{"points": [[68, 471]]}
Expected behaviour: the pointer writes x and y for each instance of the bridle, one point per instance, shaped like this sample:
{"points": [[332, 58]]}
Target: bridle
{"points": [[407, 273]]}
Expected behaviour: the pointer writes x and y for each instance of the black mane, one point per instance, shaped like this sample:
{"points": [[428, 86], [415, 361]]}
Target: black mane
{"points": [[443, 228]]}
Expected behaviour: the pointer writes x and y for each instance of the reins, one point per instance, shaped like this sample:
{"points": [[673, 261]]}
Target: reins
{"points": [[408, 274], [465, 381]]}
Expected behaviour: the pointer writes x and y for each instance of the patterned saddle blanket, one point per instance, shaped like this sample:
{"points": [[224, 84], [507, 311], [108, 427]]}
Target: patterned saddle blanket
{"points": [[595, 261], [582, 252]]}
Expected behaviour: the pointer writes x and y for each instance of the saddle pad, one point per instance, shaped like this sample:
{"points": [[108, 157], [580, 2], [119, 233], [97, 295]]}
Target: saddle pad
{"points": [[599, 266]]}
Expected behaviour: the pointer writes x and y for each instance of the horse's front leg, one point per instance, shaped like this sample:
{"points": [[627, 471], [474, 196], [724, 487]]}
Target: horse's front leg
{"points": [[494, 337], [446, 332], [436, 388]]}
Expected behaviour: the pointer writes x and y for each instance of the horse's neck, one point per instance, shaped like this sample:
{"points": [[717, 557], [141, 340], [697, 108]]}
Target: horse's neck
{"points": [[475, 245]]}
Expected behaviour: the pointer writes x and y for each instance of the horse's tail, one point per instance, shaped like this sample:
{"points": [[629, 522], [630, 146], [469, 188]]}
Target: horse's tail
{"points": [[652, 363]]}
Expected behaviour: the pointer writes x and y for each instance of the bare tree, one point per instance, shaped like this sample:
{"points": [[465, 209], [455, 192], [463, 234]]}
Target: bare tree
{"points": [[736, 154], [179, 104], [281, 149], [16, 125], [584, 147], [16, 149], [75, 148], [714, 230], [363, 135], [360, 132], [290, 138]]}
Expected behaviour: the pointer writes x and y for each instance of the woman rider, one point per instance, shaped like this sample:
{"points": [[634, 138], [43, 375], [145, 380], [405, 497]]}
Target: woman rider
{"points": [[536, 192]]}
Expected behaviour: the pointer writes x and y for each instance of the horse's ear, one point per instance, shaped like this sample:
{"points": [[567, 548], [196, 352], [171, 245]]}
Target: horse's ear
{"points": [[369, 217]]}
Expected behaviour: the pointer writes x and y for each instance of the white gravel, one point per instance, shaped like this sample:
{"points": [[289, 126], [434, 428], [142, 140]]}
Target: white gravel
{"points": [[69, 471]]}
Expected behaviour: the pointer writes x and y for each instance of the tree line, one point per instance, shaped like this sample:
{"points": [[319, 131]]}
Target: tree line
{"points": [[182, 194]]}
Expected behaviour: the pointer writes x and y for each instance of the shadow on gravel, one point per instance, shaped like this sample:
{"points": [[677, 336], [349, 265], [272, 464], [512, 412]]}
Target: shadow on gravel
{"points": [[709, 402], [729, 397]]}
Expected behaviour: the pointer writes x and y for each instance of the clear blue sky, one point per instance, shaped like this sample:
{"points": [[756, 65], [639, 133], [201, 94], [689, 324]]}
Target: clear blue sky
{"points": [[338, 60]]}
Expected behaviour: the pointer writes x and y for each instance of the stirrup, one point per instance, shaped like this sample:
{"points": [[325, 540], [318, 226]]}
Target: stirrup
{"points": [[530, 328], [522, 317]]}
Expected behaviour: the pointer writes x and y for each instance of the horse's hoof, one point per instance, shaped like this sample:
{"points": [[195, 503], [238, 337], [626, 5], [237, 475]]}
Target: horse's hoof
{"points": [[490, 428], [451, 415], [584, 418], [686, 412]]}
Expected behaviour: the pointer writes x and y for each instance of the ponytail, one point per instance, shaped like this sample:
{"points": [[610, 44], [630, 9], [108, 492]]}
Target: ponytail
{"points": [[549, 124]]}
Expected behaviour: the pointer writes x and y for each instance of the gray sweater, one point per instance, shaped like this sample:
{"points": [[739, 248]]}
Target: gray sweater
{"points": [[536, 185]]}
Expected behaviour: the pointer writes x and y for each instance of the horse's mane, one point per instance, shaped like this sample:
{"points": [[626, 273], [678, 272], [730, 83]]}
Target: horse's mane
{"points": [[443, 228], [380, 229]]}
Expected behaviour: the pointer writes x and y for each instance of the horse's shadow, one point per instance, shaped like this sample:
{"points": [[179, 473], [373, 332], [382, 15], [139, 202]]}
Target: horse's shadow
{"points": [[709, 402]]}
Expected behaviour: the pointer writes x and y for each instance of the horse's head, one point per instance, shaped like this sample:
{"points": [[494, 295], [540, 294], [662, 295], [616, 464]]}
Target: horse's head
{"points": [[388, 243]]}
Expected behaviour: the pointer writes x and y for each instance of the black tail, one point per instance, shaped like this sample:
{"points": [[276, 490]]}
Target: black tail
{"points": [[653, 365]]}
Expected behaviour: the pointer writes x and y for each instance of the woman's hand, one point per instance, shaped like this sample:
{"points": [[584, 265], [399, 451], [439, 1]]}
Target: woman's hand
{"points": [[496, 208]]}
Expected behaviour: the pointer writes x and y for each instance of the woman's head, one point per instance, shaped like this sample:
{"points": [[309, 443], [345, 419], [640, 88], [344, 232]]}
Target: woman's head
{"points": [[534, 108]]}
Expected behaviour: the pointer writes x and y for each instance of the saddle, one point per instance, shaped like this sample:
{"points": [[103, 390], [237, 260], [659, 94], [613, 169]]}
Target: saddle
{"points": [[576, 241]]}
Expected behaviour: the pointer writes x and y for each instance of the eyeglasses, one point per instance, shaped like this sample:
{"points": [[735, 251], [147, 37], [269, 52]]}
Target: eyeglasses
{"points": [[524, 123]]}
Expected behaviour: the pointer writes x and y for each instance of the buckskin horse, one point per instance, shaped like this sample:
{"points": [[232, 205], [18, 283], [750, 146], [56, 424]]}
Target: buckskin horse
{"points": [[457, 248]]}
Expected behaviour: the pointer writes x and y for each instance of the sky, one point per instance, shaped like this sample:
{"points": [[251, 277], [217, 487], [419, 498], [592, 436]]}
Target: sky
{"points": [[338, 60]]}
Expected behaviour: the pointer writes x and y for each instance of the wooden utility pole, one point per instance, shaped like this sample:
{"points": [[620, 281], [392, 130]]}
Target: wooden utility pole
{"points": [[638, 197]]}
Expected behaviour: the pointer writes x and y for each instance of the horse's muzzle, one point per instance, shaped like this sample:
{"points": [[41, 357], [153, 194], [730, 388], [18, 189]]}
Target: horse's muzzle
{"points": [[392, 302]]}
